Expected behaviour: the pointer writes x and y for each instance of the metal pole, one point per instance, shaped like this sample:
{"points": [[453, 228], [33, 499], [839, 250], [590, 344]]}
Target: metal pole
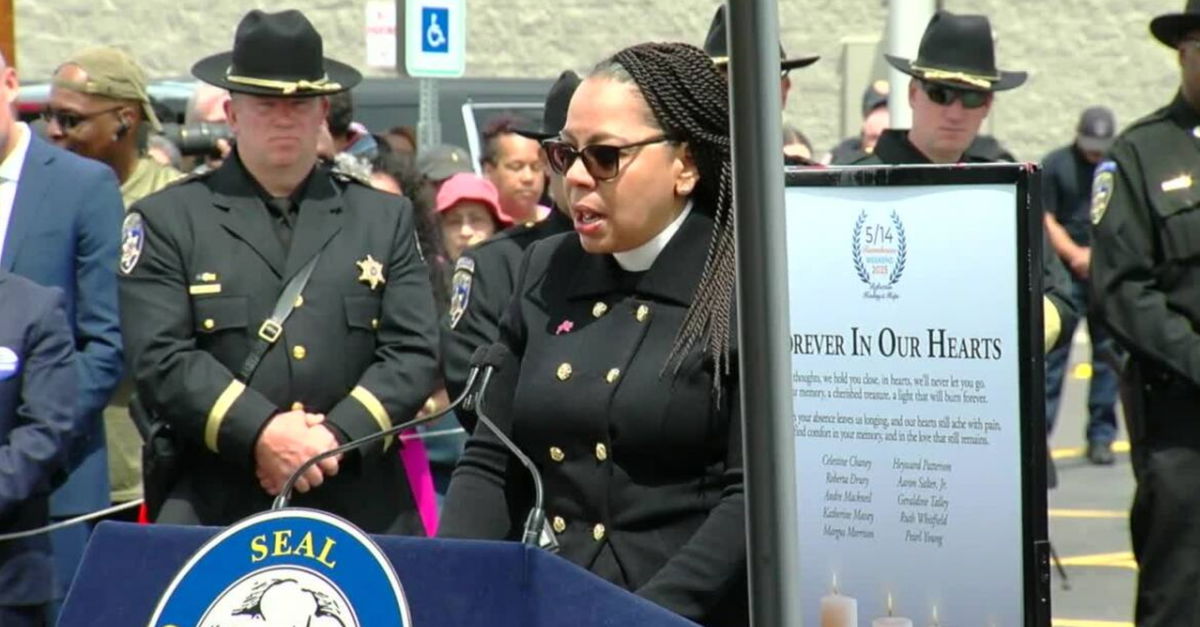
{"points": [[429, 126], [768, 448], [906, 23]]}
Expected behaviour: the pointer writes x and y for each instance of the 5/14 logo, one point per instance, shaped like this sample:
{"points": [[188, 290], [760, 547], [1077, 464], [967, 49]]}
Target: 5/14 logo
{"points": [[879, 252]]}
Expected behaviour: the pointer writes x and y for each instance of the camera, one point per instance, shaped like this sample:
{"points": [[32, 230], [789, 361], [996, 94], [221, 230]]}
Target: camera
{"points": [[199, 138]]}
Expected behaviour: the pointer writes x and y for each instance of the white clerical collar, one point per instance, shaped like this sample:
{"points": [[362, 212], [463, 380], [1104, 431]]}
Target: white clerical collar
{"points": [[641, 258]]}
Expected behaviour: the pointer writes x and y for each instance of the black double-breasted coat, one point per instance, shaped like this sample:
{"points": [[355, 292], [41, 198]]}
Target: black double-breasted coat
{"points": [[360, 345], [642, 463]]}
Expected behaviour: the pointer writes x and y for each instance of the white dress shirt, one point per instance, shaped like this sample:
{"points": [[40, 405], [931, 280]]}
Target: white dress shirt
{"points": [[10, 175]]}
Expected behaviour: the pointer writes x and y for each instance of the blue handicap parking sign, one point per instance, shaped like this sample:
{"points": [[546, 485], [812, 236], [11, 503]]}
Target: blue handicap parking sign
{"points": [[435, 29]]}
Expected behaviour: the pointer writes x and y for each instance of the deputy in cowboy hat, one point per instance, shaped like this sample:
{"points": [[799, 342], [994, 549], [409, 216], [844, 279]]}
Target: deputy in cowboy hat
{"points": [[1145, 269], [206, 267], [954, 81], [716, 44]]}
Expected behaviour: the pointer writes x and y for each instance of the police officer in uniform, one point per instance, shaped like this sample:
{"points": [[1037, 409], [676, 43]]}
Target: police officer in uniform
{"points": [[1145, 273], [207, 266], [484, 276], [716, 45], [954, 79]]}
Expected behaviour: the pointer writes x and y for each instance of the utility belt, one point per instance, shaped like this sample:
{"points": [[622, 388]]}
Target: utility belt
{"points": [[1160, 406]]}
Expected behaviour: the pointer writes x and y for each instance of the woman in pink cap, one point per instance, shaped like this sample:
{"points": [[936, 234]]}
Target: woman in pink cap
{"points": [[468, 209]]}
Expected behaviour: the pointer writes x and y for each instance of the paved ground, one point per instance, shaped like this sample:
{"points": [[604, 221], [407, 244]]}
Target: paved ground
{"points": [[1089, 518]]}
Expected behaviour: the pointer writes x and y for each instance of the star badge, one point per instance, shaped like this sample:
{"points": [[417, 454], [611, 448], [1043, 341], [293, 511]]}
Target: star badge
{"points": [[372, 272]]}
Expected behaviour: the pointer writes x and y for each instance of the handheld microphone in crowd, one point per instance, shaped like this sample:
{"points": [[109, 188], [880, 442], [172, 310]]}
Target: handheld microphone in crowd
{"points": [[537, 533], [285, 495]]}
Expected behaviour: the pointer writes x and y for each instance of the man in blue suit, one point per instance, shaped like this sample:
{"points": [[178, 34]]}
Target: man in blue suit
{"points": [[38, 379], [60, 226]]}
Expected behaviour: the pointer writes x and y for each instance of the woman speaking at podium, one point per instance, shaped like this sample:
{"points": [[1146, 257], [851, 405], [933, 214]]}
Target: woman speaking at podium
{"points": [[624, 389]]}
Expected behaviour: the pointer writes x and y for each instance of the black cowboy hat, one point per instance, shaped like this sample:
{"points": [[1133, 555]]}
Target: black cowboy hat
{"points": [[717, 47], [277, 54], [554, 114], [958, 50], [1169, 28]]}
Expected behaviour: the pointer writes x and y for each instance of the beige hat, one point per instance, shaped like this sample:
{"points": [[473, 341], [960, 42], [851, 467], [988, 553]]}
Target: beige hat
{"points": [[111, 73]]}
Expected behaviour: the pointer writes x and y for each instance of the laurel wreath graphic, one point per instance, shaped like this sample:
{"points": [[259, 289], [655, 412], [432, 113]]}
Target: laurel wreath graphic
{"points": [[901, 251], [856, 249]]}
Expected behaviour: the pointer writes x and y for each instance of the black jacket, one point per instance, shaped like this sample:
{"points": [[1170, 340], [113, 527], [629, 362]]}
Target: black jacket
{"points": [[484, 280], [210, 272], [1146, 246], [642, 468]]}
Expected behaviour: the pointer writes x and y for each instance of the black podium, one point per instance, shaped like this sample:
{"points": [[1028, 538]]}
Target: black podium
{"points": [[461, 583]]}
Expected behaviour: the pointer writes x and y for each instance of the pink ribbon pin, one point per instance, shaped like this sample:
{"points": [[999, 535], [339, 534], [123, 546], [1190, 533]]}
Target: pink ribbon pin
{"points": [[564, 327]]}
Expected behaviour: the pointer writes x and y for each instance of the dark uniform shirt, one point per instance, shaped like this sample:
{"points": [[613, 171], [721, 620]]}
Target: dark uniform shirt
{"points": [[1145, 276], [1067, 191], [203, 266], [847, 151], [642, 468], [484, 279], [894, 148]]}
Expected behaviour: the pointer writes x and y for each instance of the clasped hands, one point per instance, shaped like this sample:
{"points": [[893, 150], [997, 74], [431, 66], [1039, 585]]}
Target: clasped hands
{"points": [[288, 440]]}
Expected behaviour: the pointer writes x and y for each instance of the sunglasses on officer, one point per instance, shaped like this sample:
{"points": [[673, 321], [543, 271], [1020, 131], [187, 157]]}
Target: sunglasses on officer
{"points": [[944, 96], [603, 162], [68, 120]]}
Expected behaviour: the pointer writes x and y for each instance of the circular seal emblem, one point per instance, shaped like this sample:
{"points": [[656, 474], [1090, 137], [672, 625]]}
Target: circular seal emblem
{"points": [[879, 251], [10, 363], [133, 238], [287, 567]]}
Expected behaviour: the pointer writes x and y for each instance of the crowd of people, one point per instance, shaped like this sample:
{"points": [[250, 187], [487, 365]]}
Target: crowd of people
{"points": [[309, 282]]}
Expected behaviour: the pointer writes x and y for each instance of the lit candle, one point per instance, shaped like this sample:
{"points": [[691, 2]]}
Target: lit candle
{"points": [[838, 610], [890, 620]]}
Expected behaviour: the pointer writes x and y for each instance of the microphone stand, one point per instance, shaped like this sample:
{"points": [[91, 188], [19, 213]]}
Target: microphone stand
{"points": [[285, 495], [535, 533]]}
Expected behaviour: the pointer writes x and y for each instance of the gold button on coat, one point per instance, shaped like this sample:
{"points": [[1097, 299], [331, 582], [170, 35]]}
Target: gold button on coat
{"points": [[643, 312], [209, 323], [374, 323], [560, 525], [601, 451], [598, 532], [299, 300], [299, 352], [599, 309], [613, 375], [564, 372], [557, 454]]}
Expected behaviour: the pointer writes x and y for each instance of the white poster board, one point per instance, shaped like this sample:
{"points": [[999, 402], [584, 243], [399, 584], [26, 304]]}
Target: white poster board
{"points": [[911, 314]]}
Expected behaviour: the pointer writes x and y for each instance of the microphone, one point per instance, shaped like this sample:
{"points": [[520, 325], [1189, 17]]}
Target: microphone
{"points": [[285, 495], [536, 533]]}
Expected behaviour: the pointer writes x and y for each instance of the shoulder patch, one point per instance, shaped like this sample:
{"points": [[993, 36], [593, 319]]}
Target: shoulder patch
{"points": [[464, 273], [1102, 186], [133, 238], [350, 169]]}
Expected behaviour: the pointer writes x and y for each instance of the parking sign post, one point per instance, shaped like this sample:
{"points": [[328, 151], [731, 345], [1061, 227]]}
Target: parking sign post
{"points": [[432, 44]]}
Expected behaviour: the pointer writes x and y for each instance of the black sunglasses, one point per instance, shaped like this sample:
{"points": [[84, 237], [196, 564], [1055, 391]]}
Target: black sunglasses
{"points": [[68, 120], [945, 96], [602, 162]]}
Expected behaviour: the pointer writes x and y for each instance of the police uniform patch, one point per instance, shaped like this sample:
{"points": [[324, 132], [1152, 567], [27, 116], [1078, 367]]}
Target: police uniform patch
{"points": [[133, 238], [10, 363], [464, 272], [1102, 186]]}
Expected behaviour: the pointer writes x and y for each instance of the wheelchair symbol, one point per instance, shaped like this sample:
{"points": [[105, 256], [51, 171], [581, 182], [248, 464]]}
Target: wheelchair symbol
{"points": [[436, 23]]}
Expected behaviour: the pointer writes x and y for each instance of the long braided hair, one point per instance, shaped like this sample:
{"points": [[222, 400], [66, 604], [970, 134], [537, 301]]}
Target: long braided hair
{"points": [[690, 102]]}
